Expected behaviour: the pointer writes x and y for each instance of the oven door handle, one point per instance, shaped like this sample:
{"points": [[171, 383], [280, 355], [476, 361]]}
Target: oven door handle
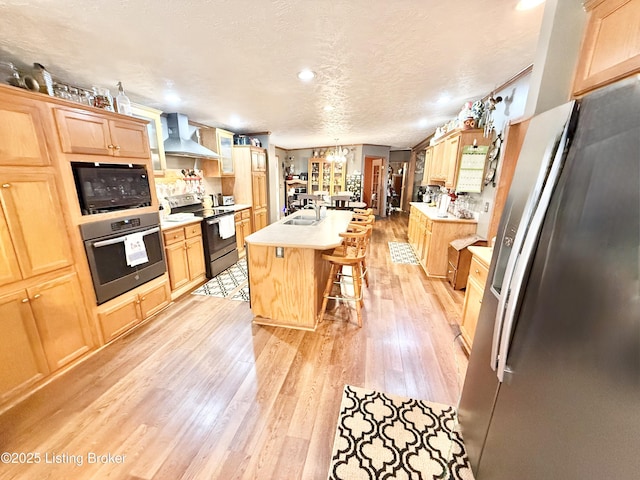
{"points": [[113, 241], [216, 220]]}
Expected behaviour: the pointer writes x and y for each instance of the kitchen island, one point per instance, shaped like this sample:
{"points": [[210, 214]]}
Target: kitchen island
{"points": [[287, 274]]}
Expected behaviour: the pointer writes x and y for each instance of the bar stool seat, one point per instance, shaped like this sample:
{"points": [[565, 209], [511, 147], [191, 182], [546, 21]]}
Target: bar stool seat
{"points": [[350, 254]]}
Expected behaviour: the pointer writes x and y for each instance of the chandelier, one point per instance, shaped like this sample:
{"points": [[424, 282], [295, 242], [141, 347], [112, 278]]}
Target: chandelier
{"points": [[339, 155]]}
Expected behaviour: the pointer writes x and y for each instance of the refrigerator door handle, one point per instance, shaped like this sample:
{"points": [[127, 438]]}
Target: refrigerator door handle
{"points": [[526, 255], [518, 242]]}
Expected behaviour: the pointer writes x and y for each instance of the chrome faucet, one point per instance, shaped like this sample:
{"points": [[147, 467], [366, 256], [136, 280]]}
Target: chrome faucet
{"points": [[316, 206]]}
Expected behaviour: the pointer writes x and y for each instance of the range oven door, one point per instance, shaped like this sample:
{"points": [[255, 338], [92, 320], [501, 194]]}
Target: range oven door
{"points": [[111, 274], [220, 253]]}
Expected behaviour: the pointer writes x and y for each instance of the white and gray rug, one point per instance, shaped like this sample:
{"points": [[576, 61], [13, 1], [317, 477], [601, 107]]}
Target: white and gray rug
{"points": [[402, 253], [386, 436], [233, 283]]}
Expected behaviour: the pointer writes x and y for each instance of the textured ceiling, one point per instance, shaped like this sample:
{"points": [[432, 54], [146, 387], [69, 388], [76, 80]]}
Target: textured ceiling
{"points": [[382, 65]]}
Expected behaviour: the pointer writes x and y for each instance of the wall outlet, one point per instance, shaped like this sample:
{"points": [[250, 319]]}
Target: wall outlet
{"points": [[279, 252], [486, 206]]}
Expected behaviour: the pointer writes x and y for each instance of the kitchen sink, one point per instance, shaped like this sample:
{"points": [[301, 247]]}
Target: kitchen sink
{"points": [[302, 221]]}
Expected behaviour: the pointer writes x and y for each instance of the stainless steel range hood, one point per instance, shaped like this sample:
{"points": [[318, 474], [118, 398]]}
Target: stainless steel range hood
{"points": [[179, 142]]}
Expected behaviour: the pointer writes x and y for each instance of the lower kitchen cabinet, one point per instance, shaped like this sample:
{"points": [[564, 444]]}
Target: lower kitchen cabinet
{"points": [[184, 251], [22, 359], [126, 311], [243, 228], [260, 219], [430, 235], [478, 273], [44, 327]]}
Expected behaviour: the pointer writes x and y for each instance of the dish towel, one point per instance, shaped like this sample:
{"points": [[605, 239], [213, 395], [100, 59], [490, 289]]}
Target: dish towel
{"points": [[227, 226], [134, 249]]}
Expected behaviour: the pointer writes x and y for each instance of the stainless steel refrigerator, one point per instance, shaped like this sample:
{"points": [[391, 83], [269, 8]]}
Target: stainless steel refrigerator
{"points": [[552, 389]]}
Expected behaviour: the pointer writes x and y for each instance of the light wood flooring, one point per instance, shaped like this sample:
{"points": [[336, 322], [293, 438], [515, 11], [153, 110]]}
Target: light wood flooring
{"points": [[201, 393]]}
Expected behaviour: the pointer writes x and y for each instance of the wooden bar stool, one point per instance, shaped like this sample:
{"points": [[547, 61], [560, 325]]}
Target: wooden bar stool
{"points": [[368, 228], [363, 211], [350, 254]]}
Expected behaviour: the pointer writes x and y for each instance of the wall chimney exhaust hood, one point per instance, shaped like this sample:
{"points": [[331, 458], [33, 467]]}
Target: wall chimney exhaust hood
{"points": [[179, 142]]}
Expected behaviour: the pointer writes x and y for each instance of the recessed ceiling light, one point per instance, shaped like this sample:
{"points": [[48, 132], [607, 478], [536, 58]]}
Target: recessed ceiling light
{"points": [[328, 108], [528, 4], [444, 98], [172, 99], [306, 75], [423, 122]]}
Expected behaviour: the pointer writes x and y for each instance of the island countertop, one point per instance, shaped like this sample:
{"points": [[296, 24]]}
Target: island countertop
{"points": [[323, 236]]}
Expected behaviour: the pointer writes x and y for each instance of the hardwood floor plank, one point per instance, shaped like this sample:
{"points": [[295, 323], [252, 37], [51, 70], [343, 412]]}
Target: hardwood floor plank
{"points": [[200, 392]]}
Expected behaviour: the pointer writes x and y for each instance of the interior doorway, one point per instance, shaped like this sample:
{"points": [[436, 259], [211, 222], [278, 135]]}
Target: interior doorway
{"points": [[373, 184]]}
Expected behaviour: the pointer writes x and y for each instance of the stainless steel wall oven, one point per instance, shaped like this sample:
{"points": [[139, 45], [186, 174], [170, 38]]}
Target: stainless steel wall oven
{"points": [[105, 244]]}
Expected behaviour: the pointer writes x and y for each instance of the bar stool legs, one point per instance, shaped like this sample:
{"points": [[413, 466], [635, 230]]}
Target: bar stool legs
{"points": [[336, 278]]}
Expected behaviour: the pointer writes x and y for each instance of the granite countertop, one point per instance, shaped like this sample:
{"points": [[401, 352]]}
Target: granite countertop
{"points": [[432, 213], [483, 253], [323, 236]]}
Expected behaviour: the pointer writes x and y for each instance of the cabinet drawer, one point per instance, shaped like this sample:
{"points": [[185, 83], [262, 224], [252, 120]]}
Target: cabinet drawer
{"points": [[238, 217], [192, 230], [246, 213], [478, 271], [173, 236], [453, 255]]}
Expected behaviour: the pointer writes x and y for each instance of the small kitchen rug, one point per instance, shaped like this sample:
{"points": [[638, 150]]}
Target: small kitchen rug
{"points": [[385, 436], [232, 283], [402, 253]]}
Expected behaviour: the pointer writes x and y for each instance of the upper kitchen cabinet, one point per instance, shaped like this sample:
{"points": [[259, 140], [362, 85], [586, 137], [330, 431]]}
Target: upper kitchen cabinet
{"points": [[97, 134], [446, 153], [22, 137], [611, 44], [35, 238], [156, 138], [221, 142]]}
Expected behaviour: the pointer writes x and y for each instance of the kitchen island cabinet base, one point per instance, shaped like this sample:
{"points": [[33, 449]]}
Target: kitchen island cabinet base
{"points": [[286, 291]]}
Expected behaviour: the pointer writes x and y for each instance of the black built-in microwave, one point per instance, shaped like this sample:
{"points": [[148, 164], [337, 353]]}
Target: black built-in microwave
{"points": [[109, 187]]}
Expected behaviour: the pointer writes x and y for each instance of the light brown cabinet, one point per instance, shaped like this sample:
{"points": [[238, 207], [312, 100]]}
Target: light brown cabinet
{"points": [[611, 44], [184, 251], [93, 134], [44, 328], [430, 236], [32, 231], [446, 154], [221, 142], [243, 228], [250, 186], [22, 360], [325, 176], [478, 273], [62, 322], [128, 310], [22, 137]]}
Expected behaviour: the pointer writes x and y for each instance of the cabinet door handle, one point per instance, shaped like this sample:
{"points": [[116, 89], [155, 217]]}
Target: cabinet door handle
{"points": [[36, 296], [477, 271], [6, 185], [25, 300], [110, 146], [117, 147], [142, 299]]}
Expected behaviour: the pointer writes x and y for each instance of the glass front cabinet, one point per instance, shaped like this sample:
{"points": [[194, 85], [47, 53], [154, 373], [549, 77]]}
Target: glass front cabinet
{"points": [[156, 138]]}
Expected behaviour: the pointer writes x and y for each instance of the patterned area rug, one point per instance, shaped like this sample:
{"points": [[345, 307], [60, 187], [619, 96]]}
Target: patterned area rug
{"points": [[385, 436], [402, 253], [232, 283]]}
